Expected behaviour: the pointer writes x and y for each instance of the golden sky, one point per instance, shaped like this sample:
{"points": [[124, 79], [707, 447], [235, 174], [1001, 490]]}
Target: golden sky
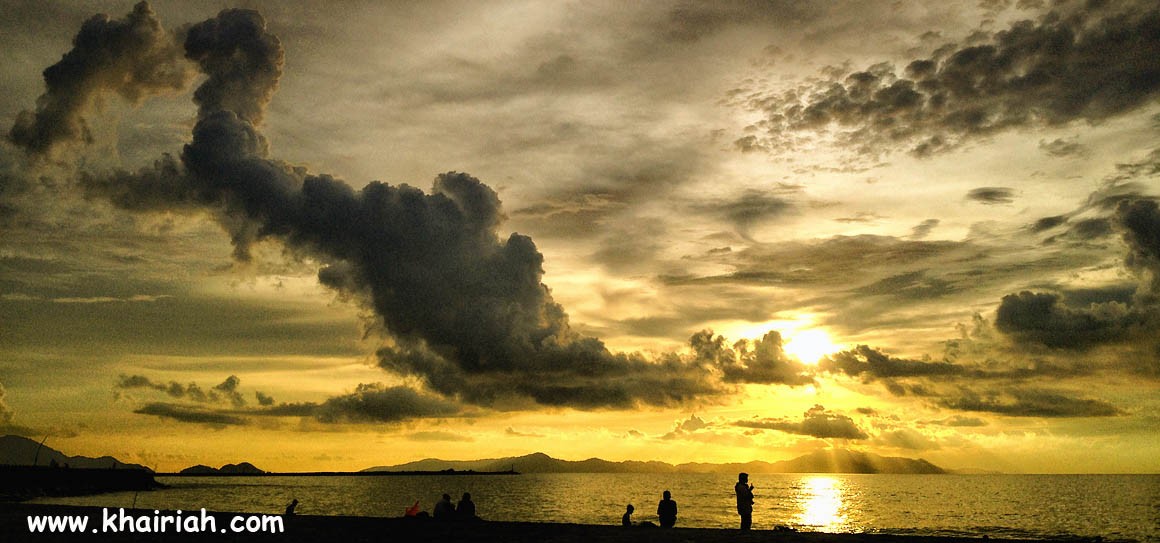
{"points": [[319, 238]]}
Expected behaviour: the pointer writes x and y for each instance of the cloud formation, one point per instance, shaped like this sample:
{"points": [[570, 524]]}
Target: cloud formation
{"points": [[1044, 318], [816, 422], [133, 57], [224, 404], [467, 308], [1047, 72]]}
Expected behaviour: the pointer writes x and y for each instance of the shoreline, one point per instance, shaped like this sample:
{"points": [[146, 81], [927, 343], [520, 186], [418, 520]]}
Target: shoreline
{"points": [[14, 527]]}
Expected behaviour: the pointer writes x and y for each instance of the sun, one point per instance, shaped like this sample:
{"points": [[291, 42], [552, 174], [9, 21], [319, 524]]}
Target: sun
{"points": [[809, 346]]}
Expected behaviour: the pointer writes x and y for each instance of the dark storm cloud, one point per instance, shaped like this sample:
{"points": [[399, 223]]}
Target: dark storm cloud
{"points": [[229, 389], [379, 403], [225, 391], [242, 60], [1087, 64], [992, 195], [1042, 318], [468, 309], [817, 422], [1031, 403], [760, 361], [188, 413], [1139, 221], [368, 403], [134, 57], [867, 363]]}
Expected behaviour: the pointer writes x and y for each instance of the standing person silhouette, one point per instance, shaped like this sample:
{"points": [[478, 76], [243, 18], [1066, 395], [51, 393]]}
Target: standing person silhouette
{"points": [[667, 510], [744, 490]]}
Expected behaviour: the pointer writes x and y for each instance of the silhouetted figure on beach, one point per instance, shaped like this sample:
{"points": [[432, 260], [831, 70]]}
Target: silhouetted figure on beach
{"points": [[290, 507], [667, 510], [626, 520], [444, 510], [465, 510], [744, 492]]}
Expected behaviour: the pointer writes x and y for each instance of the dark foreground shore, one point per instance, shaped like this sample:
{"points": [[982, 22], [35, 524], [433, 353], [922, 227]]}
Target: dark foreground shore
{"points": [[14, 526]]}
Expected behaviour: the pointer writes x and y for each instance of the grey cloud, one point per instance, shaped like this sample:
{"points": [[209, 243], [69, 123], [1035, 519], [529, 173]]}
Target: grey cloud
{"points": [[438, 436], [911, 285], [225, 391], [923, 229], [1042, 318], [512, 432], [1046, 319], [1067, 66], [816, 422], [193, 414], [748, 210], [822, 263], [1031, 403], [229, 388], [992, 195], [368, 403], [1139, 221], [959, 421], [764, 362], [134, 57], [869, 364], [242, 61], [469, 311], [1048, 223], [1060, 147], [379, 403]]}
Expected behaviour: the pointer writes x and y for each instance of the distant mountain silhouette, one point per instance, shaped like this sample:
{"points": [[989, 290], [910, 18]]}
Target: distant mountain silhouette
{"points": [[245, 468], [825, 461], [21, 451]]}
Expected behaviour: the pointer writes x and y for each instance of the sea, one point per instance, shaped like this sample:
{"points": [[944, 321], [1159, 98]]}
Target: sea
{"points": [[1111, 507]]}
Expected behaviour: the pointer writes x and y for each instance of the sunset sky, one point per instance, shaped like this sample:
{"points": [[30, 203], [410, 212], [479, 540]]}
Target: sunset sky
{"points": [[328, 236]]}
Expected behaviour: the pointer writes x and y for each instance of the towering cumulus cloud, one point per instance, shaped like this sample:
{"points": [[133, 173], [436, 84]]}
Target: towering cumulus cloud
{"points": [[134, 57], [466, 309]]}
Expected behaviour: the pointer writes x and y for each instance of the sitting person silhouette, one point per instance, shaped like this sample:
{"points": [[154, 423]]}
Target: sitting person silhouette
{"points": [[290, 507], [444, 510], [667, 510], [465, 510], [626, 520]]}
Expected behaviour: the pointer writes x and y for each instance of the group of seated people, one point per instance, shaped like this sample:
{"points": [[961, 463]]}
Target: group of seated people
{"points": [[666, 513], [445, 510]]}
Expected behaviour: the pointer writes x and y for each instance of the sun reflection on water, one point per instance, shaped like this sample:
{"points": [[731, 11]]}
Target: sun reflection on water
{"points": [[820, 499]]}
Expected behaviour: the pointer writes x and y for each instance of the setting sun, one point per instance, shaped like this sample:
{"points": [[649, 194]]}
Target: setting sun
{"points": [[809, 346]]}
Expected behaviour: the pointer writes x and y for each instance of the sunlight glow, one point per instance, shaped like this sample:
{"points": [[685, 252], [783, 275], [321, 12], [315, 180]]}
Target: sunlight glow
{"points": [[809, 346], [820, 499]]}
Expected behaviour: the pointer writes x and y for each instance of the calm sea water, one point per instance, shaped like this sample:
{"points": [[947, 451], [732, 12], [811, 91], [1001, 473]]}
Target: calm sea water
{"points": [[1110, 506]]}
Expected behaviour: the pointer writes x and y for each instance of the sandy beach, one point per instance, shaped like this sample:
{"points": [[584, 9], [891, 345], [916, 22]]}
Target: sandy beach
{"points": [[14, 526]]}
